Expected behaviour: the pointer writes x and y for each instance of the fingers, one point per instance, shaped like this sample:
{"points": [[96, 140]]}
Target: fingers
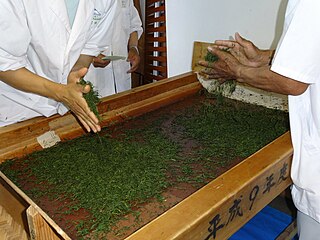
{"points": [[208, 71], [235, 53], [239, 41], [84, 124], [87, 117], [89, 126], [206, 64], [207, 74], [134, 61], [133, 68], [218, 52], [211, 73], [80, 108], [74, 99], [233, 49], [225, 43], [99, 62]]}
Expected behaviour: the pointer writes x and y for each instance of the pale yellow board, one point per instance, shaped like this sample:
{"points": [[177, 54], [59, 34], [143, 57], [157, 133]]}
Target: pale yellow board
{"points": [[200, 50]]}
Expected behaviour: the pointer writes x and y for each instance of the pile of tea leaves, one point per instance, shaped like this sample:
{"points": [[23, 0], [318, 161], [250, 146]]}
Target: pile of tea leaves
{"points": [[109, 175], [92, 97]]}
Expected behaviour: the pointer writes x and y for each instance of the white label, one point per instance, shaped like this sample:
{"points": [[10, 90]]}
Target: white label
{"points": [[48, 139]]}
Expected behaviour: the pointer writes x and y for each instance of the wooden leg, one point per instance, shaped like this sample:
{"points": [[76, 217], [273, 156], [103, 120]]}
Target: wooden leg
{"points": [[289, 232], [39, 228]]}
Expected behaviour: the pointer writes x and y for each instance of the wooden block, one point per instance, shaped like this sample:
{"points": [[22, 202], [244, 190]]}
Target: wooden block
{"points": [[39, 228], [16, 203], [199, 53]]}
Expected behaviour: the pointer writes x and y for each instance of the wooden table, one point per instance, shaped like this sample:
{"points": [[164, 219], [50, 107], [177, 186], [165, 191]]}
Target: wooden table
{"points": [[215, 211]]}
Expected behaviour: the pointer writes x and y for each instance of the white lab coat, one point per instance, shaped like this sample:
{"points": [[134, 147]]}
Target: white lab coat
{"points": [[297, 57], [114, 78], [37, 35]]}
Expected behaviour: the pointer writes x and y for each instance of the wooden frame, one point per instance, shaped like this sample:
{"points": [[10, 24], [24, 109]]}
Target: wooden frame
{"points": [[113, 109], [220, 208], [155, 67], [215, 211]]}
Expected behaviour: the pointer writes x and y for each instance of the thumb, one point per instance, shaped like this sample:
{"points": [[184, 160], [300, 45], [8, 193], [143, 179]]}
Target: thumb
{"points": [[242, 41], [76, 75], [81, 72], [82, 87], [238, 38]]}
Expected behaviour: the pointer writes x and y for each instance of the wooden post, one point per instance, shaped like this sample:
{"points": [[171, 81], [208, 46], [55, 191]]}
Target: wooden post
{"points": [[289, 232], [38, 227], [27, 214]]}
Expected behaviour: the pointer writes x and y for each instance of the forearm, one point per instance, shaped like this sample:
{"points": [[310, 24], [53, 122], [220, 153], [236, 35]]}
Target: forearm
{"points": [[71, 94], [83, 61], [133, 40], [265, 79], [24, 80]]}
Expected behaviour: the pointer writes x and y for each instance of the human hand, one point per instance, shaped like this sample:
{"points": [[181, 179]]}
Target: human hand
{"points": [[245, 51], [134, 59], [226, 67], [98, 62], [72, 96]]}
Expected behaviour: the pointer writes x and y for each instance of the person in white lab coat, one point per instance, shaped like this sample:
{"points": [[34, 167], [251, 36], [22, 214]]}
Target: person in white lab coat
{"points": [[45, 48], [116, 76], [294, 71]]}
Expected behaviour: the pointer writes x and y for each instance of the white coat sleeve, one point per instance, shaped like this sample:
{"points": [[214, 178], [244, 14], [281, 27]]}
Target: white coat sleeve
{"points": [[15, 36], [297, 55], [101, 35], [135, 23]]}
